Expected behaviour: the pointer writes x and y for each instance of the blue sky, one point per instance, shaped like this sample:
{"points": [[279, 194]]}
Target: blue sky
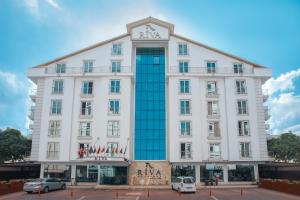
{"points": [[265, 32]]}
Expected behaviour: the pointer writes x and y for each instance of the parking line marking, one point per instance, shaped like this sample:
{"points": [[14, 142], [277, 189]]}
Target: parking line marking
{"points": [[215, 198], [81, 198]]}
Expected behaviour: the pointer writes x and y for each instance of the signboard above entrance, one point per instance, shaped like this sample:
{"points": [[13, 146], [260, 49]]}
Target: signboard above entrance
{"points": [[150, 31]]}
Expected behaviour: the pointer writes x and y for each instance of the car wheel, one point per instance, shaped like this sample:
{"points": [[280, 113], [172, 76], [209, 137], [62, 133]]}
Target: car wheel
{"points": [[46, 189], [29, 192], [63, 187]]}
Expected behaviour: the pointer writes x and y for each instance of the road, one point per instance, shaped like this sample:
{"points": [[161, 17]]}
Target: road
{"points": [[139, 194]]}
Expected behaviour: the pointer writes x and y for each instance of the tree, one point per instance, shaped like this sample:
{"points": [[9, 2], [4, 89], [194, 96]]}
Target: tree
{"points": [[285, 148], [13, 145]]}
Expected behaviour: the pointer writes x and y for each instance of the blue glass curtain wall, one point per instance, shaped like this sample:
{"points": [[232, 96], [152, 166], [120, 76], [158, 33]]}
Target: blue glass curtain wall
{"points": [[150, 122]]}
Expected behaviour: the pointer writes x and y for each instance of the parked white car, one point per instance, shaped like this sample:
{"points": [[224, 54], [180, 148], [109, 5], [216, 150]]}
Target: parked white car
{"points": [[184, 184]]}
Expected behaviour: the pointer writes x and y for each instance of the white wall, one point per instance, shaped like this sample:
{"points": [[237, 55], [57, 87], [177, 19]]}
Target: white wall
{"points": [[197, 58]]}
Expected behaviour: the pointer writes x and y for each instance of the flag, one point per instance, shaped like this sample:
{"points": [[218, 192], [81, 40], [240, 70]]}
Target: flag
{"points": [[91, 150], [94, 150], [98, 150], [121, 150], [103, 149], [117, 149], [113, 150], [107, 150], [80, 152], [125, 149]]}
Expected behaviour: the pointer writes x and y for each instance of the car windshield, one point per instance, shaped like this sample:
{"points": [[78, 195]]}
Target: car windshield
{"points": [[36, 180], [188, 180], [178, 180]]}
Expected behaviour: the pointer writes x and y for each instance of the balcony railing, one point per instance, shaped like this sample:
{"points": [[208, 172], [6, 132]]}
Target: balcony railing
{"points": [[218, 70], [215, 155], [80, 70]]}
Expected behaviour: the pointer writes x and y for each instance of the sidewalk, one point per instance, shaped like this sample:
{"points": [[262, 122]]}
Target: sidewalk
{"points": [[156, 187]]}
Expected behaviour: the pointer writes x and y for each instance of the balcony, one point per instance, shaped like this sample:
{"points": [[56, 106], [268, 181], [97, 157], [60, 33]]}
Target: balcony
{"points": [[218, 70], [266, 113], [95, 70], [32, 95], [265, 95], [215, 155], [267, 126], [31, 113], [31, 125]]}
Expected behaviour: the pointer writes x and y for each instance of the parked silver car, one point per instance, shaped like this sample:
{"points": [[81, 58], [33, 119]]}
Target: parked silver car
{"points": [[44, 185], [184, 184]]}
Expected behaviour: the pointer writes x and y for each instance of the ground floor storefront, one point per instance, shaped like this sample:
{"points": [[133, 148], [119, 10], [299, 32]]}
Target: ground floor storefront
{"points": [[150, 173], [218, 173]]}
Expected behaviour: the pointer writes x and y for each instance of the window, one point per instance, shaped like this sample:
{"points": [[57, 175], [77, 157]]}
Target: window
{"points": [[86, 108], [238, 68], [211, 87], [58, 87], [87, 87], [54, 128], [113, 149], [212, 108], [115, 86], [114, 106], [211, 67], [113, 128], [242, 107], [241, 87], [186, 150], [116, 49], [115, 66], [214, 129], [52, 150], [88, 66], [183, 67], [214, 151], [184, 86], [182, 49], [56, 107], [245, 149], [185, 107], [85, 129], [244, 129], [185, 128], [83, 150], [60, 68], [155, 60]]}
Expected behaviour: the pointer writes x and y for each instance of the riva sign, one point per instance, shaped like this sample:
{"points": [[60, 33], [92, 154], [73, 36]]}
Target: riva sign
{"points": [[149, 173], [150, 32]]}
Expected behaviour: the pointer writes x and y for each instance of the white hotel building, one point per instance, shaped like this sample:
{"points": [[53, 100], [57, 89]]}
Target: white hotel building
{"points": [[147, 106]]}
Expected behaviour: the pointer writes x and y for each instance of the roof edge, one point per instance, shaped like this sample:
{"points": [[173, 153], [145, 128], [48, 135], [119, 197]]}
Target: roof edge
{"points": [[81, 50], [218, 51]]}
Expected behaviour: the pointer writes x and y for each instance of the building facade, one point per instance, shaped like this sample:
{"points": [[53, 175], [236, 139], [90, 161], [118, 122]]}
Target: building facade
{"points": [[147, 106]]}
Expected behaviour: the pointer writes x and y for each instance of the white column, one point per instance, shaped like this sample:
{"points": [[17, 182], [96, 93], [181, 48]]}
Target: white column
{"points": [[73, 173], [99, 166], [256, 175], [42, 170], [225, 173], [197, 173]]}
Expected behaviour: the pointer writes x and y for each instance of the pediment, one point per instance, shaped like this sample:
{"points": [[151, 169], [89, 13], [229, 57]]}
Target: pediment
{"points": [[150, 29]]}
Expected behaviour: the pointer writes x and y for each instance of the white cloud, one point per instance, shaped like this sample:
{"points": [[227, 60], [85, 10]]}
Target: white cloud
{"points": [[295, 129], [283, 83], [283, 103], [54, 4], [11, 80], [32, 4], [35, 6]]}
